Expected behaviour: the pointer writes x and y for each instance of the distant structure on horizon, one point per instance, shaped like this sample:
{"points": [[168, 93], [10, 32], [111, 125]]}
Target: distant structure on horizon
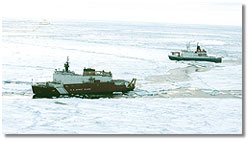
{"points": [[44, 22]]}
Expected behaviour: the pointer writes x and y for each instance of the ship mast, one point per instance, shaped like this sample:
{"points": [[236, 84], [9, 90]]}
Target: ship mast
{"points": [[66, 65], [188, 45]]}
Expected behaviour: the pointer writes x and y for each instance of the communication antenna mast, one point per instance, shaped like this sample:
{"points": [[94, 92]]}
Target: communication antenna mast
{"points": [[188, 45], [66, 65]]}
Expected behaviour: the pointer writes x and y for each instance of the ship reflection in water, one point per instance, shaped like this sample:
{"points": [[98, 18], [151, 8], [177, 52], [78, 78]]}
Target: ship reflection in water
{"points": [[91, 84]]}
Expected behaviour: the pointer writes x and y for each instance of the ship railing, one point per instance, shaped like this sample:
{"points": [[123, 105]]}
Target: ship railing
{"points": [[40, 83], [103, 73], [98, 73], [47, 83], [120, 82], [124, 82], [64, 72]]}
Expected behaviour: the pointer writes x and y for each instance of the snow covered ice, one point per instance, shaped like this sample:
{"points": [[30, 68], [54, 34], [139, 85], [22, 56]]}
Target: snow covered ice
{"points": [[170, 97], [122, 116]]}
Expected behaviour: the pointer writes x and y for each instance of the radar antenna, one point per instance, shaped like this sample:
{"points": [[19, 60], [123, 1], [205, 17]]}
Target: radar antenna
{"points": [[66, 65]]}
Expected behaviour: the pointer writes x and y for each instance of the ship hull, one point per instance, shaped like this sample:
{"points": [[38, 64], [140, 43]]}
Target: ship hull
{"points": [[84, 90], [209, 59]]}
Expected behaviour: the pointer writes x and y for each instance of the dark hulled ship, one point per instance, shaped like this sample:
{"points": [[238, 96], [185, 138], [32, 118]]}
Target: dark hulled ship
{"points": [[90, 84]]}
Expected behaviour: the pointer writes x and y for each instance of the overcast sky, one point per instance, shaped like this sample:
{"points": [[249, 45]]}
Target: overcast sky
{"points": [[216, 12]]}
